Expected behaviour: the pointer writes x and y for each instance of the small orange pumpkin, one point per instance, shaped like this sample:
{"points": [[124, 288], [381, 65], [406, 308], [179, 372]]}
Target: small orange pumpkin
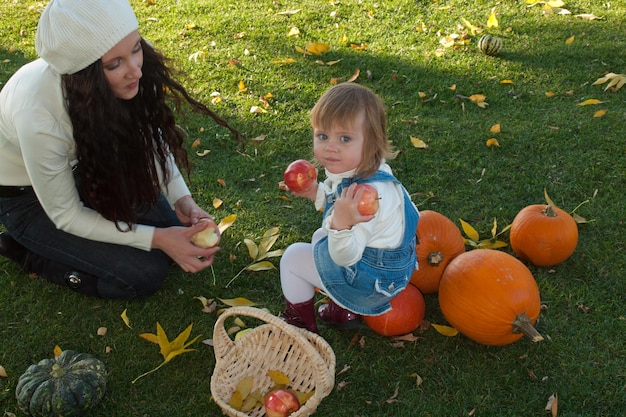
{"points": [[543, 235], [490, 297], [407, 312], [438, 242]]}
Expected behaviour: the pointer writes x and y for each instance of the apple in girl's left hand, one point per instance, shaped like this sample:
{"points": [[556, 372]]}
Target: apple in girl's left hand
{"points": [[281, 403], [300, 175], [207, 238], [368, 204]]}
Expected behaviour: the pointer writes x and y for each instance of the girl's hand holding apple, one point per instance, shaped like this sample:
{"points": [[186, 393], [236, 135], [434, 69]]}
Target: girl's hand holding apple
{"points": [[357, 204]]}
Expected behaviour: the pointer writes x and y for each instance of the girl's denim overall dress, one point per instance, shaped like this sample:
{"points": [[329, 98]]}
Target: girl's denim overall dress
{"points": [[368, 286]]}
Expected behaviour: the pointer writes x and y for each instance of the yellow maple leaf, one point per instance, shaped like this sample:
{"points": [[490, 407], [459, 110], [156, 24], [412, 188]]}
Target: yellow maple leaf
{"points": [[549, 94], [217, 203], [242, 87], [294, 31], [492, 21], [169, 350]]}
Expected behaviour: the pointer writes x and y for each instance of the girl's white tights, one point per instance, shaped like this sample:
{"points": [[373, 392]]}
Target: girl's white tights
{"points": [[298, 275]]}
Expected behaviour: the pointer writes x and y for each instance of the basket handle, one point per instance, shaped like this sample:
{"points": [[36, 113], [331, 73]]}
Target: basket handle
{"points": [[222, 343]]}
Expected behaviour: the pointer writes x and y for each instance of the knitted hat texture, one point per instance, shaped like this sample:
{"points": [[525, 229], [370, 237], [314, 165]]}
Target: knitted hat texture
{"points": [[73, 34]]}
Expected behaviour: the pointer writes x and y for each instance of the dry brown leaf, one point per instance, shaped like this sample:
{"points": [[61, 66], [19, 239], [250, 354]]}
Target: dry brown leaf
{"points": [[101, 331], [3, 372]]}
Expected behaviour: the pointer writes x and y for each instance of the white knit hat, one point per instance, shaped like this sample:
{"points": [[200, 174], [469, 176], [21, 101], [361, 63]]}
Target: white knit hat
{"points": [[73, 34]]}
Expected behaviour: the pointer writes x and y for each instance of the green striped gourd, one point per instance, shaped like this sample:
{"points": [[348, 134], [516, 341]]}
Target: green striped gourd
{"points": [[490, 45]]}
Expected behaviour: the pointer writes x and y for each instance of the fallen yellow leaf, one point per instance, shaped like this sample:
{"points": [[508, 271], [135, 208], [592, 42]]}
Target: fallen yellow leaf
{"points": [[590, 101], [492, 142], [125, 318], [492, 21], [418, 143], [237, 301], [549, 94], [445, 330], [3, 372], [570, 40], [495, 128], [599, 113], [217, 203]]}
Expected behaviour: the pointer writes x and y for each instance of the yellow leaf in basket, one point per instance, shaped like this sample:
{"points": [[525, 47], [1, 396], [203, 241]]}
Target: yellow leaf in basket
{"points": [[245, 386], [236, 401], [238, 301], [241, 333], [249, 403], [303, 396], [278, 377]]}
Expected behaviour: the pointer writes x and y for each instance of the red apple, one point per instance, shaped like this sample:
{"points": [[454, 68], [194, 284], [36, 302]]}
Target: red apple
{"points": [[368, 204], [281, 403], [300, 175]]}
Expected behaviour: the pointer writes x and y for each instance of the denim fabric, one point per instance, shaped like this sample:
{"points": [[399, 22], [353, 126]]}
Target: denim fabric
{"points": [[122, 271], [368, 286]]}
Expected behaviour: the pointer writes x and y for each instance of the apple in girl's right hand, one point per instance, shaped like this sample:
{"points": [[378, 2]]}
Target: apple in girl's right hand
{"points": [[300, 175], [281, 403], [368, 204], [207, 238]]}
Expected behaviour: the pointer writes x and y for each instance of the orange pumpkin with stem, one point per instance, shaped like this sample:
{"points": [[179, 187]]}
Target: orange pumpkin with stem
{"points": [[407, 312], [490, 297], [543, 235], [438, 242]]}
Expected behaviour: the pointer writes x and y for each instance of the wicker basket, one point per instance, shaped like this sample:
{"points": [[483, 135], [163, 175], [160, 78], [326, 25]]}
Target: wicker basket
{"points": [[304, 357]]}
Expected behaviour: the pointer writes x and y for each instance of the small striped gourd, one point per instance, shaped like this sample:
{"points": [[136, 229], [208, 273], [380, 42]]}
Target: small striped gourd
{"points": [[490, 45]]}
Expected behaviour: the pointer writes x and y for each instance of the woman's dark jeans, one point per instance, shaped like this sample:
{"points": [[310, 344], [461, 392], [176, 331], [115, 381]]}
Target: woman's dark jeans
{"points": [[121, 271]]}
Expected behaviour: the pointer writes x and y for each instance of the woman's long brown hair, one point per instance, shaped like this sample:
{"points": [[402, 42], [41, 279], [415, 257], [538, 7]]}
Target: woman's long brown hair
{"points": [[123, 144]]}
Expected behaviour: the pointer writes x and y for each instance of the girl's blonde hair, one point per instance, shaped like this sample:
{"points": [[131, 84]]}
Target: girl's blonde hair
{"points": [[342, 104]]}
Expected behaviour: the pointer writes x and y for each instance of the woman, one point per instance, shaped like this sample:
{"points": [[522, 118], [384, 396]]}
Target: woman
{"points": [[90, 192]]}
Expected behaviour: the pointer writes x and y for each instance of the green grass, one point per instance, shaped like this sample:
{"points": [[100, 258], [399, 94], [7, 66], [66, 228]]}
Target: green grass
{"points": [[549, 143]]}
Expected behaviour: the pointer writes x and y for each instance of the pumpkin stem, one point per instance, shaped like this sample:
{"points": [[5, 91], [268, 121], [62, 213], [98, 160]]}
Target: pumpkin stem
{"points": [[549, 211], [435, 258], [57, 371], [522, 325]]}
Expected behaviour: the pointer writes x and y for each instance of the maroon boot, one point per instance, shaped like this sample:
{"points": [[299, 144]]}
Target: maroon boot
{"points": [[301, 315], [338, 317]]}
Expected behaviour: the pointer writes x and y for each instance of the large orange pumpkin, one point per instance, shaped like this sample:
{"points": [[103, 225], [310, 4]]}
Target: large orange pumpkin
{"points": [[438, 242], [406, 314], [543, 235], [490, 297]]}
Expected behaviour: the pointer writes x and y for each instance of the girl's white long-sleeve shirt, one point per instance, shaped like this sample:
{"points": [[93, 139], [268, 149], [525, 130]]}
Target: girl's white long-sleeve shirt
{"points": [[37, 148], [384, 231]]}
